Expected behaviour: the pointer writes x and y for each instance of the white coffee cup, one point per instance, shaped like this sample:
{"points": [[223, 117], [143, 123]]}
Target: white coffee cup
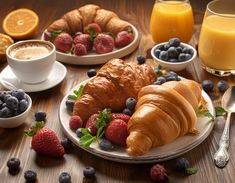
{"points": [[31, 60]]}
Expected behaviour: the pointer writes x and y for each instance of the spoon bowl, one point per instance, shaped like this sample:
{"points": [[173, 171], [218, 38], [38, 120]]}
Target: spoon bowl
{"points": [[228, 100]]}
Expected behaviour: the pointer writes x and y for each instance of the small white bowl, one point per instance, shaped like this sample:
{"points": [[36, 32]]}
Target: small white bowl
{"points": [[174, 66], [18, 120]]}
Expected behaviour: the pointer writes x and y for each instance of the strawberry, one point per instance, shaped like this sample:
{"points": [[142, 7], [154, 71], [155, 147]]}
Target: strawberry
{"points": [[75, 122], [92, 27], [63, 42], [103, 43], [90, 124], [83, 39], [79, 49], [116, 132], [123, 38], [45, 141], [121, 116]]}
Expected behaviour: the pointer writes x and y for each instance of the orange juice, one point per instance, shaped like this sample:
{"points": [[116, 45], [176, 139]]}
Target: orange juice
{"points": [[217, 42], [171, 19]]}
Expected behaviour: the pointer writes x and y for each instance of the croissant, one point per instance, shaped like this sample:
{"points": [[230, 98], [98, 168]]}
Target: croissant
{"points": [[163, 113], [114, 83], [78, 19]]}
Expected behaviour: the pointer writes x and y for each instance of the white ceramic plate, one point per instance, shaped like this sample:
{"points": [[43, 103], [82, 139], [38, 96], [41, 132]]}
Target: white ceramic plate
{"points": [[93, 58], [169, 151], [56, 76]]}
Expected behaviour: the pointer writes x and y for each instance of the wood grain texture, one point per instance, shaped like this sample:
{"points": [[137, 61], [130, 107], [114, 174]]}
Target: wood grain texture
{"points": [[13, 143]]}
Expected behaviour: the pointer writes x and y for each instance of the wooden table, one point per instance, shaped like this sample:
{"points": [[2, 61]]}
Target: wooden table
{"points": [[13, 143]]}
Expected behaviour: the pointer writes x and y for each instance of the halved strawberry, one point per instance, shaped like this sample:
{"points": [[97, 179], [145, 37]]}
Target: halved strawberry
{"points": [[90, 124], [121, 116], [92, 27], [83, 39], [123, 38], [103, 43]]}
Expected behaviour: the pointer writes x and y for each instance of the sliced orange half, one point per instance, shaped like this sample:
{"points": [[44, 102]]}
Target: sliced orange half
{"points": [[5, 42], [21, 23]]}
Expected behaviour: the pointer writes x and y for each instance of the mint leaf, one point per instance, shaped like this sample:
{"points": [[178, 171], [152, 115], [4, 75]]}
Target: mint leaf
{"points": [[103, 119], [92, 33], [204, 112], [85, 131], [86, 140], [191, 171], [77, 93], [54, 34], [220, 111]]}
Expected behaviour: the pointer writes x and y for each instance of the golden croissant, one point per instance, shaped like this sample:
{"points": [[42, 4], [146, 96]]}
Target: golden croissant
{"points": [[77, 20], [114, 83], [163, 113]]}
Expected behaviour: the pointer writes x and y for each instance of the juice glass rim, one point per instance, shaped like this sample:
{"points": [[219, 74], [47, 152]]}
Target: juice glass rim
{"points": [[215, 13], [165, 1]]}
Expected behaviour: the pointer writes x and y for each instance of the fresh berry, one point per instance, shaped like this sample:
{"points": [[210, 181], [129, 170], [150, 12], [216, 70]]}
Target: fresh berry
{"points": [[89, 172], [79, 49], [92, 27], [103, 43], [6, 96], [66, 143], [141, 59], [75, 122], [222, 85], [179, 49], [116, 132], [123, 38], [91, 73], [174, 42], [23, 105], [47, 36], [63, 42], [19, 94], [164, 55], [172, 52], [130, 103], [127, 112], [157, 52], [40, 116], [65, 177], [166, 46], [121, 116], [13, 164], [79, 133], [158, 173], [188, 56], [85, 40], [105, 145], [171, 78], [207, 85], [6, 112], [160, 80], [172, 73], [187, 50], [12, 103], [182, 164], [69, 105], [90, 124], [182, 57], [30, 176]]}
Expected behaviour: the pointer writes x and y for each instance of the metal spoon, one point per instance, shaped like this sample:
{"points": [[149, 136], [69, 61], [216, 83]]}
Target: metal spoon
{"points": [[221, 157], [11, 86]]}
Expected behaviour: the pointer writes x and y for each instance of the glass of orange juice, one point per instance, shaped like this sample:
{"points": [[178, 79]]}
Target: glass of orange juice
{"points": [[171, 18], [217, 38]]}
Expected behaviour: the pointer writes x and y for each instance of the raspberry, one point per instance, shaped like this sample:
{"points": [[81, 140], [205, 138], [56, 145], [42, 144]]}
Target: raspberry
{"points": [[79, 49], [75, 122], [63, 42], [158, 173], [83, 39]]}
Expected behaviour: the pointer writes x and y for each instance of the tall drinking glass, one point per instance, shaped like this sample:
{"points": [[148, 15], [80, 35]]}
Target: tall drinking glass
{"points": [[171, 18], [217, 38]]}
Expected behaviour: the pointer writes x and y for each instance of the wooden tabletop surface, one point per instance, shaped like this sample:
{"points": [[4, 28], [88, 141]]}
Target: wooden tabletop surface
{"points": [[13, 143]]}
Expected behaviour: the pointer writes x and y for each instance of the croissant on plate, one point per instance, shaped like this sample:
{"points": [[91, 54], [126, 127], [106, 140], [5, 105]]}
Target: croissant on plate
{"points": [[114, 83], [77, 20], [163, 113]]}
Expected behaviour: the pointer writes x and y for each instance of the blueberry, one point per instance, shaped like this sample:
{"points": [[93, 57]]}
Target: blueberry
{"points": [[89, 172], [12, 103], [105, 145], [208, 85], [13, 164], [23, 105], [130, 103], [172, 52], [188, 56], [66, 143], [64, 177], [182, 57], [127, 112], [172, 73], [171, 78], [164, 55], [91, 73], [79, 133], [40, 116], [69, 105], [141, 59], [160, 80], [157, 52], [6, 96], [182, 164], [160, 47], [186, 50], [173, 60], [1, 103], [166, 46], [30, 176], [6, 112], [222, 85], [179, 49], [19, 94], [174, 42]]}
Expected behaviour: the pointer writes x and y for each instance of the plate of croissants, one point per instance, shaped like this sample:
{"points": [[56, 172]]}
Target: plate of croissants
{"points": [[91, 35], [165, 122]]}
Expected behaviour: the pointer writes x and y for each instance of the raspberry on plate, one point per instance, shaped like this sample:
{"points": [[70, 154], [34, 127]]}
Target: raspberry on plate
{"points": [[75, 122], [123, 38], [83, 39], [63, 42], [103, 43]]}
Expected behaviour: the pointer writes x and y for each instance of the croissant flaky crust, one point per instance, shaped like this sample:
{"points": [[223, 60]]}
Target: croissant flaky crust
{"points": [[114, 83], [163, 113], [77, 20]]}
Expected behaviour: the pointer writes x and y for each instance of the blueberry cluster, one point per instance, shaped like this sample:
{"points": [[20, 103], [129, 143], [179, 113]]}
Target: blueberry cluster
{"points": [[208, 85], [170, 76], [130, 106], [173, 51], [13, 103]]}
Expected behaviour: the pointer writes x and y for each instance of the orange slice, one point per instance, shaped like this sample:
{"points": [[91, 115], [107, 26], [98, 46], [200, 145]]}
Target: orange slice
{"points": [[21, 23], [5, 42]]}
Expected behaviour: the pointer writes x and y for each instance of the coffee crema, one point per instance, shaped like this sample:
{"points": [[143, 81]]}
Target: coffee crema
{"points": [[30, 51]]}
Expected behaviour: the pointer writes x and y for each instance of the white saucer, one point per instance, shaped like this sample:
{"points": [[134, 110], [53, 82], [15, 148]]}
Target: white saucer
{"points": [[56, 76]]}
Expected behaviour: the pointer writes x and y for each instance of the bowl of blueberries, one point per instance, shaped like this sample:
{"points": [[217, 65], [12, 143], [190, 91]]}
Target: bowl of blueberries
{"points": [[174, 54], [15, 106]]}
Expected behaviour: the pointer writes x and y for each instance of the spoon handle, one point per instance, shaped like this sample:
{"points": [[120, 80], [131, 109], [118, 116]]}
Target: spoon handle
{"points": [[221, 157]]}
